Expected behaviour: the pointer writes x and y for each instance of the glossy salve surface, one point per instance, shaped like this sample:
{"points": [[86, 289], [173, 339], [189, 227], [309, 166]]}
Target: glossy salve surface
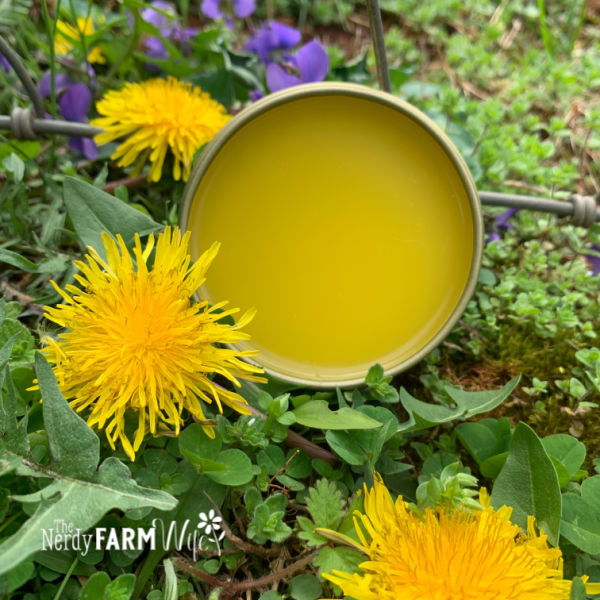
{"points": [[346, 224]]}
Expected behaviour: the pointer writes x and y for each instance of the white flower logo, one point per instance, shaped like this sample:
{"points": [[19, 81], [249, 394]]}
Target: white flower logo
{"points": [[211, 524]]}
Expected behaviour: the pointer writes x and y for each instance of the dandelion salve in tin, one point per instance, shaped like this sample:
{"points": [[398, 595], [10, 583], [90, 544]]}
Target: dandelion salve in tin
{"points": [[347, 219]]}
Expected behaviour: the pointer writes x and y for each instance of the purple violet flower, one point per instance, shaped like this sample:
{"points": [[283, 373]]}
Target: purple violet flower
{"points": [[163, 23], [74, 100], [168, 27], [502, 221], [4, 63], [255, 95], [61, 83], [493, 236], [593, 261], [241, 8], [272, 37], [311, 63]]}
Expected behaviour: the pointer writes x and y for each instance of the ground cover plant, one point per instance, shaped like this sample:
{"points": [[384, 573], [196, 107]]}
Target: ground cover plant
{"points": [[134, 466]]}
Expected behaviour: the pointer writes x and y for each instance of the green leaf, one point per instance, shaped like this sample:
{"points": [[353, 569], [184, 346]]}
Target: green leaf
{"points": [[339, 558], [82, 503], [94, 586], [197, 447], [305, 587], [528, 482], [93, 211], [238, 468], [12, 433], [581, 516], [74, 447], [121, 588], [325, 504], [566, 449], [317, 414], [577, 589], [468, 404], [267, 520], [16, 260], [18, 575], [13, 164]]}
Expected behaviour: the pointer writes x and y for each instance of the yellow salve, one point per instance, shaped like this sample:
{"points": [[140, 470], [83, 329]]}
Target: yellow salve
{"points": [[347, 226]]}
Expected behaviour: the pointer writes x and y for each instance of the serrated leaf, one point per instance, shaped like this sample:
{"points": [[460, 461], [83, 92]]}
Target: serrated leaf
{"points": [[93, 211], [121, 588], [74, 447], [318, 415], [344, 559], [325, 504], [82, 503], [528, 482]]}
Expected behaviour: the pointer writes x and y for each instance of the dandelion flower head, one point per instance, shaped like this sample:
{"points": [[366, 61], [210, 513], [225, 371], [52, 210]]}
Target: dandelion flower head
{"points": [[135, 340], [155, 116], [450, 554], [68, 36]]}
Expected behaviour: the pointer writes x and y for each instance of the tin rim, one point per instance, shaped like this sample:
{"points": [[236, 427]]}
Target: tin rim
{"points": [[357, 91]]}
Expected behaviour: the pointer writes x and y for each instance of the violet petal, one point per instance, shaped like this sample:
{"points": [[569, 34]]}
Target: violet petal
{"points": [[154, 48], [502, 220], [85, 146], [287, 37], [243, 8], [4, 63], [313, 62], [255, 95], [279, 79], [157, 19], [61, 82], [210, 8], [75, 102], [493, 236]]}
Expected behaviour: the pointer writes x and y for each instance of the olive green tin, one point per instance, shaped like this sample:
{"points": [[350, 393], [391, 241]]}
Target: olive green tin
{"points": [[231, 132]]}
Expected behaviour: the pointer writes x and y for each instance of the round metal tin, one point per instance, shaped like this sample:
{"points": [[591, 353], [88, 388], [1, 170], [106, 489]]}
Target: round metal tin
{"points": [[249, 143]]}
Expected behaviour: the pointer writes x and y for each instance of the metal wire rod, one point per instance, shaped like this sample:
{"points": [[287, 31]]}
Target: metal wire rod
{"points": [[376, 26], [15, 62], [583, 210], [25, 126]]}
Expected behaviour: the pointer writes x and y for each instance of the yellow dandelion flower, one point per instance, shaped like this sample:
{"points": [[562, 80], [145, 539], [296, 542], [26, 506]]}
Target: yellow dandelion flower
{"points": [[67, 36], [135, 339], [158, 115], [449, 554]]}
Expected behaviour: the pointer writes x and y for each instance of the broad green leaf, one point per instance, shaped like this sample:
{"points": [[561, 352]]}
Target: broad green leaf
{"points": [[567, 450], [305, 587], [580, 523], [423, 415], [528, 482], [577, 589], [74, 447], [317, 414], [93, 211], [19, 574], [200, 450], [82, 503], [238, 468], [94, 586], [121, 588], [581, 516]]}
